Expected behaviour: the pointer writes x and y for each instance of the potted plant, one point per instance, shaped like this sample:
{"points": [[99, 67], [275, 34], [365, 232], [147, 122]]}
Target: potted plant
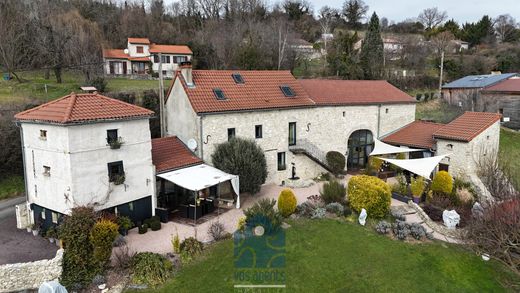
{"points": [[118, 179], [115, 143], [124, 224], [35, 229], [417, 186], [29, 228], [51, 234]]}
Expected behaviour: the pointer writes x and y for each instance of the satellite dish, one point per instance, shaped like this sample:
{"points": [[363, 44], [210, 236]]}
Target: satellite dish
{"points": [[126, 51], [192, 144]]}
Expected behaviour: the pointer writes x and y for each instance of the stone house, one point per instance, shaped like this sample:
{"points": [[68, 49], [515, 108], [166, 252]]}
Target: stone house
{"points": [[296, 122], [87, 149], [467, 91], [503, 98], [141, 58], [467, 140]]}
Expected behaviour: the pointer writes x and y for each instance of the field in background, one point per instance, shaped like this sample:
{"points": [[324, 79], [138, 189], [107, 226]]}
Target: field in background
{"points": [[36, 87], [510, 152], [437, 110], [11, 186]]}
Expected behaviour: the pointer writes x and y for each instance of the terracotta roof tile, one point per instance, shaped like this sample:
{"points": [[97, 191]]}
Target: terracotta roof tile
{"points": [[353, 92], [140, 59], [511, 85], [260, 90], [77, 108], [418, 134], [467, 126], [169, 153], [139, 41], [170, 49], [115, 54]]}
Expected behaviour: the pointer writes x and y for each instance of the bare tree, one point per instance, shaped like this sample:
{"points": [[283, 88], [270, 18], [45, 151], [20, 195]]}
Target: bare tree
{"points": [[354, 11], [505, 27], [442, 42], [211, 8], [327, 18], [432, 17]]}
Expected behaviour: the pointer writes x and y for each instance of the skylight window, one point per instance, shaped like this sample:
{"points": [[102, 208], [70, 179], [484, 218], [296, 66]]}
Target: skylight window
{"points": [[219, 94], [238, 78], [287, 91]]}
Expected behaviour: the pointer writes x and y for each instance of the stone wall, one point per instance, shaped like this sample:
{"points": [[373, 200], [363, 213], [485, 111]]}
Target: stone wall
{"points": [[30, 275]]}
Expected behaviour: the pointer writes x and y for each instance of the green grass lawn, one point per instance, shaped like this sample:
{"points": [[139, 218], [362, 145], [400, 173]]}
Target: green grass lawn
{"points": [[41, 89], [437, 110], [510, 150], [329, 255], [11, 186]]}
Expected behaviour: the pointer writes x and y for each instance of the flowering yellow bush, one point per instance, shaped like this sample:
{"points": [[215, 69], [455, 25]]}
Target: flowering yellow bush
{"points": [[417, 186], [286, 202], [369, 193], [442, 182]]}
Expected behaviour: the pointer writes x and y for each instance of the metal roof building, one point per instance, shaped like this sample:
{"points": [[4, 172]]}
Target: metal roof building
{"points": [[478, 81]]}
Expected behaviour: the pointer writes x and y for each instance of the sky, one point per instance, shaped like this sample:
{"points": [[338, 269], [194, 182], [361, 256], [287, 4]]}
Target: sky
{"points": [[461, 10]]}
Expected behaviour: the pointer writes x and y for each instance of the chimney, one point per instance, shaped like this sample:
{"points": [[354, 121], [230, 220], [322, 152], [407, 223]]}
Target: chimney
{"points": [[186, 72], [496, 72]]}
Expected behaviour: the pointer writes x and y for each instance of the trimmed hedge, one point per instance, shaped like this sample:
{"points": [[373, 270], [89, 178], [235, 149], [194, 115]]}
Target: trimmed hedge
{"points": [[442, 182], [336, 162], [286, 202], [370, 193]]}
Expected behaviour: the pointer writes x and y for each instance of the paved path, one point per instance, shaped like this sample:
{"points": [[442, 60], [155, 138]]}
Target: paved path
{"points": [[7, 206]]}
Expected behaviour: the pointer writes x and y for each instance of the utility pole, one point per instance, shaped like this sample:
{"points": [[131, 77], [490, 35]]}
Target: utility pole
{"points": [[442, 71], [161, 98]]}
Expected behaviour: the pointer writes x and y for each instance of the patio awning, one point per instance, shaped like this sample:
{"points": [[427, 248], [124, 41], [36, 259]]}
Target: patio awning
{"points": [[200, 177], [422, 167], [381, 148]]}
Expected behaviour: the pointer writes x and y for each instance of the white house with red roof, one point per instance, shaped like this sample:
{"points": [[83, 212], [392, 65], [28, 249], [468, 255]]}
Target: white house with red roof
{"points": [[296, 122], [140, 54], [87, 149]]}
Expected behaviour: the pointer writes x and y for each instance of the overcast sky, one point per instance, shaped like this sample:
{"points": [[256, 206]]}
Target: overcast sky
{"points": [[398, 10]]}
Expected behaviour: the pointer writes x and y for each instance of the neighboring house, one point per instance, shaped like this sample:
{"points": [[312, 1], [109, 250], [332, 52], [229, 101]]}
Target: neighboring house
{"points": [[466, 140], [466, 92], [503, 98], [87, 149], [304, 49], [141, 58], [296, 122], [459, 46]]}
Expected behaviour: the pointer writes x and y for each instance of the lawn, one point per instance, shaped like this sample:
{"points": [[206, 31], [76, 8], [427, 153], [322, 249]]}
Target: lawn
{"points": [[329, 255], [510, 150], [39, 88], [11, 186]]}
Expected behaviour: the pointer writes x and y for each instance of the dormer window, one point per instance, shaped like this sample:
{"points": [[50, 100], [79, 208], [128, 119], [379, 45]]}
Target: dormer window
{"points": [[43, 134], [139, 49], [237, 77], [46, 171], [287, 90], [219, 94]]}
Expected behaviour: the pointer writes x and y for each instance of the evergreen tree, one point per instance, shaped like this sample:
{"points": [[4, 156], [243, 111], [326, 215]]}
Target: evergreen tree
{"points": [[372, 58], [342, 57]]}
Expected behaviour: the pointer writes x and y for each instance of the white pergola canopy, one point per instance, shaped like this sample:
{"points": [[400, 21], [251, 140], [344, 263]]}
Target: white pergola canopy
{"points": [[381, 148], [200, 177], [422, 167]]}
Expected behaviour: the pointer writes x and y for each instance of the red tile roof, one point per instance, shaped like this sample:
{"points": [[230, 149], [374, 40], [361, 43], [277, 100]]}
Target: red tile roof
{"points": [[78, 108], [260, 90], [139, 41], [511, 85], [354, 92], [115, 54], [170, 153], [140, 59], [418, 134], [170, 49], [467, 126]]}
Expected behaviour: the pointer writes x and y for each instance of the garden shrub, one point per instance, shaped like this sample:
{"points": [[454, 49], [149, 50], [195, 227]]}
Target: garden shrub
{"points": [[417, 186], [319, 213], [383, 227], [400, 187], [263, 213], [335, 208], [335, 161], [78, 264], [102, 238], [370, 193], [306, 209], [124, 223], [151, 269], [241, 225], [397, 215], [191, 247], [417, 231], [242, 157], [142, 229], [286, 202], [155, 225], [333, 191], [464, 196], [217, 231], [347, 211], [176, 243], [401, 229], [374, 164], [442, 183]]}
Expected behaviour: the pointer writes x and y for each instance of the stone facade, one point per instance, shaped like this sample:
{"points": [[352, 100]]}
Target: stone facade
{"points": [[464, 156], [327, 127], [23, 276]]}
